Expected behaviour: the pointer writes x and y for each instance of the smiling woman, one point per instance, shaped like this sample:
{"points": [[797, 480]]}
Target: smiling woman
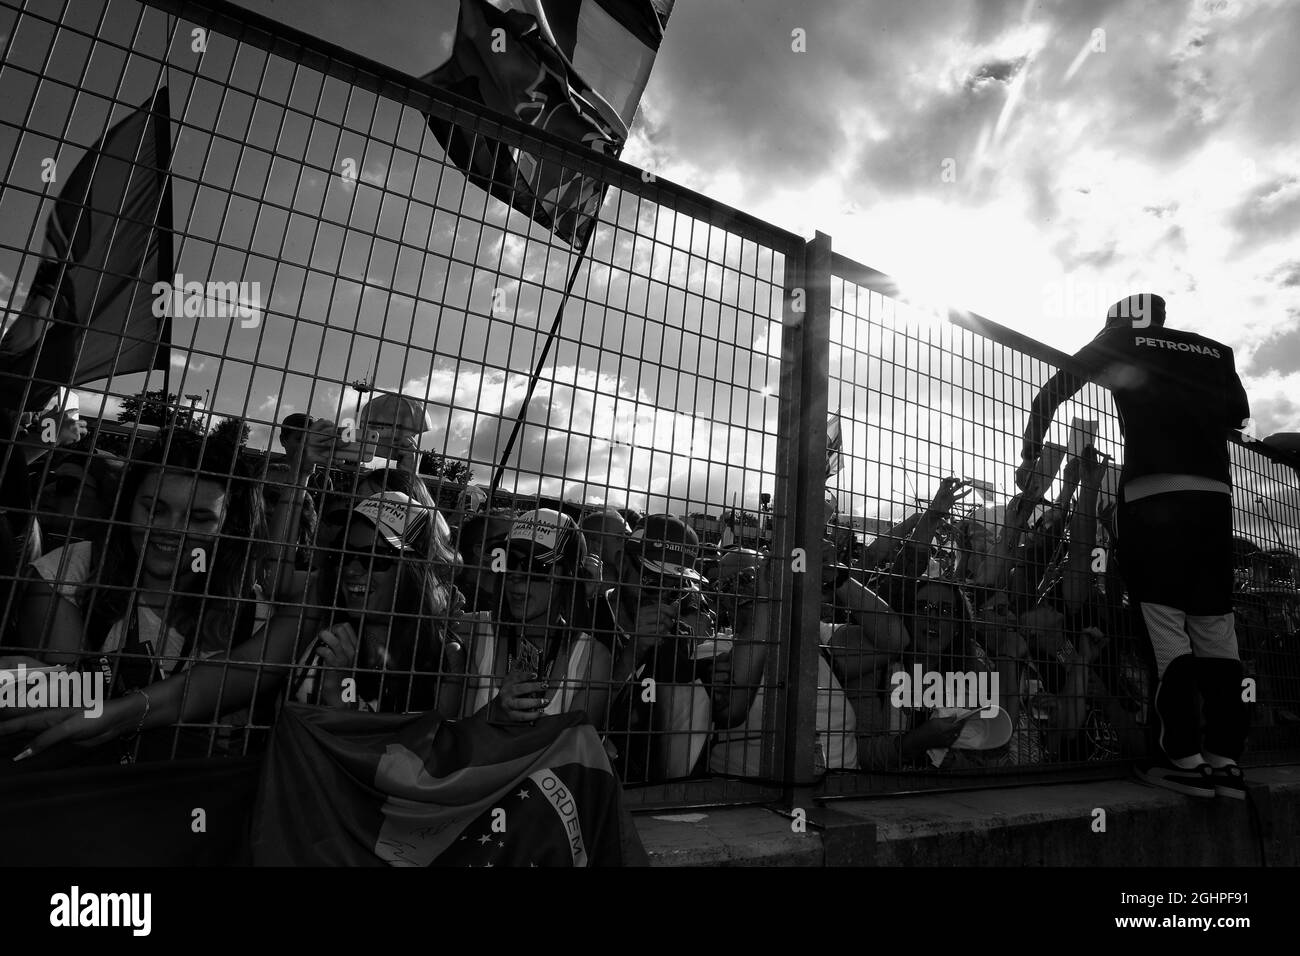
{"points": [[184, 549], [176, 578], [539, 660]]}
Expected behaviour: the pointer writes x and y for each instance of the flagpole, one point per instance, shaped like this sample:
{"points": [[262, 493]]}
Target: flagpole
{"points": [[166, 274], [546, 349]]}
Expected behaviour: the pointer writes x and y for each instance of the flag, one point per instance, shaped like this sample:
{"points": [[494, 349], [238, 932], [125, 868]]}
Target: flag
{"points": [[508, 60], [107, 241], [728, 537], [343, 787], [610, 44], [834, 445]]}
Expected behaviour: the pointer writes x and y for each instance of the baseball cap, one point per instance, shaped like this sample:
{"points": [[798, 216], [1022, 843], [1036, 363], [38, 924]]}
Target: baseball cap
{"points": [[981, 732], [548, 537], [395, 516], [667, 545]]}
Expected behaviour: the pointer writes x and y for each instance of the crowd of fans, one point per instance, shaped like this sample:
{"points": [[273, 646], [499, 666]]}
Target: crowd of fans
{"points": [[209, 593]]}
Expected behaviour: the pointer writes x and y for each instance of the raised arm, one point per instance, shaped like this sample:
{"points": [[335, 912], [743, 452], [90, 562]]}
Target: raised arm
{"points": [[881, 551], [736, 679], [1077, 585], [876, 635], [997, 566], [286, 518]]}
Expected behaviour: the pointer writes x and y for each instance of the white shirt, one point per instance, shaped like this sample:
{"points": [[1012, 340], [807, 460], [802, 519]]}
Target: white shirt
{"points": [[67, 569], [739, 750]]}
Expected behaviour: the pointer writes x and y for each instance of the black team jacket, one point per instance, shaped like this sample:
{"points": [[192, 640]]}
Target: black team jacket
{"points": [[1177, 394]]}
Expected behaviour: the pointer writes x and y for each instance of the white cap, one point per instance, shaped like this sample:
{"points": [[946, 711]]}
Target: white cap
{"points": [[396, 518]]}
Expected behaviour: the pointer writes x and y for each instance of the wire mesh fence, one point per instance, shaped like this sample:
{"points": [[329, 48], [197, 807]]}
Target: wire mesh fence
{"points": [[346, 429], [348, 318], [980, 585]]}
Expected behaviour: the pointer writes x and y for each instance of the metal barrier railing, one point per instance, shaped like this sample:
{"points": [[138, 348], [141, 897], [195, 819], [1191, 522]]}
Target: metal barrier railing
{"points": [[702, 358]]}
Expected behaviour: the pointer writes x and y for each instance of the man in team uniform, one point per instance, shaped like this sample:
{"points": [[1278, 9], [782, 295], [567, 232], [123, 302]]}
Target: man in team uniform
{"points": [[1178, 396]]}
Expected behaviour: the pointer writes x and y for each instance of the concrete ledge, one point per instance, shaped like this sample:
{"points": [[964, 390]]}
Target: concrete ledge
{"points": [[739, 836], [1052, 825]]}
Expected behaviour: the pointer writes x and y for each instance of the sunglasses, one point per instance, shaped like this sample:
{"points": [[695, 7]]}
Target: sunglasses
{"points": [[935, 609], [518, 564], [377, 561]]}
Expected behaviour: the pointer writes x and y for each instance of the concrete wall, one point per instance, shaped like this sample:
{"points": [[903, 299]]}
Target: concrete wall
{"points": [[1023, 826]]}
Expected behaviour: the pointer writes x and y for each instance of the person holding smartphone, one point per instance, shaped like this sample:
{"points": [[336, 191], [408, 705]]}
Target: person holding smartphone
{"points": [[536, 659], [387, 637], [656, 618]]}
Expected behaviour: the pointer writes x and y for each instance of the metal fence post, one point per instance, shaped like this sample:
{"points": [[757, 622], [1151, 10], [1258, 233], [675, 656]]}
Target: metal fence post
{"points": [[801, 456]]}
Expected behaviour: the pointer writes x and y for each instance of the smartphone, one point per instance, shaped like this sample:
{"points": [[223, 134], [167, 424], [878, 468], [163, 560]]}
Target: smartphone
{"points": [[1083, 432], [528, 660], [1049, 463], [357, 452]]}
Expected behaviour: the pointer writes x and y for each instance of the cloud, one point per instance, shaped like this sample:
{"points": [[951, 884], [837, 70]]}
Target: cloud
{"points": [[998, 71], [1273, 406], [591, 435], [1156, 163], [95, 404], [1281, 353], [1288, 274]]}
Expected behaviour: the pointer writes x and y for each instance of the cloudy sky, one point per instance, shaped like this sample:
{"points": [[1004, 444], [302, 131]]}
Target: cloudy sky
{"points": [[1169, 162], [1029, 161]]}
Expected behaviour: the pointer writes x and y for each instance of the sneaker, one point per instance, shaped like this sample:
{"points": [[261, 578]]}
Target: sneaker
{"points": [[1230, 782], [1197, 782]]}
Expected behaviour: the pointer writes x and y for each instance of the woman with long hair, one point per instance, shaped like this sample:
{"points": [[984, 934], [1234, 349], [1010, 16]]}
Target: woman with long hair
{"points": [[538, 660], [176, 574], [168, 605], [388, 611]]}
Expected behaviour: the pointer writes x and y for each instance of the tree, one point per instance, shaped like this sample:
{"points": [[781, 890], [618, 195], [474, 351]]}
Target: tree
{"points": [[448, 469], [232, 429], [158, 409]]}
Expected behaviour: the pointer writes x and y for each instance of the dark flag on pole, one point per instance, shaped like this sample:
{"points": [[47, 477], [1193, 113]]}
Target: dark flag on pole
{"points": [[107, 242], [611, 44], [511, 61]]}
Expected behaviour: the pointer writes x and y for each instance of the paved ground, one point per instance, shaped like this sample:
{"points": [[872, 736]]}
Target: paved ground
{"points": [[1055, 825]]}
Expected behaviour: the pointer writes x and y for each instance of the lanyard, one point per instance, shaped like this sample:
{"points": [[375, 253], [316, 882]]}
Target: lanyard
{"points": [[140, 669]]}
